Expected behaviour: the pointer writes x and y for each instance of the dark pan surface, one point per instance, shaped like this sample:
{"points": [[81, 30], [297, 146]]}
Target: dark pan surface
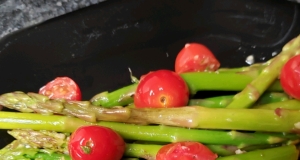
{"points": [[96, 45]]}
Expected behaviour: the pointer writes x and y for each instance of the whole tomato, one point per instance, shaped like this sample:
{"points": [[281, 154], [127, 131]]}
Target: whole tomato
{"points": [[161, 89], [195, 57], [185, 151], [290, 77], [96, 142], [61, 88]]}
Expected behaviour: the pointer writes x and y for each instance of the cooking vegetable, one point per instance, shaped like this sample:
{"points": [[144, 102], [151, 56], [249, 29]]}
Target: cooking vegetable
{"points": [[185, 151], [17, 150], [223, 101], [290, 77], [196, 81], [278, 153], [195, 57], [192, 117], [268, 131], [119, 97], [61, 88], [161, 89], [248, 96], [11, 120], [288, 104], [57, 143], [96, 142]]}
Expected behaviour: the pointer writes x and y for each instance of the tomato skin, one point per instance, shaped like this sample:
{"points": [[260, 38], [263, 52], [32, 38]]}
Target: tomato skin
{"points": [[61, 88], [185, 151], [103, 143], [161, 89], [290, 77], [195, 57]]}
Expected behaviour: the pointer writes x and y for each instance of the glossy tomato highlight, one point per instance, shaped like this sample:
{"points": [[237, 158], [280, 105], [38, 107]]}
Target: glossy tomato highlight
{"points": [[96, 142], [195, 57], [61, 88], [290, 77], [185, 151], [161, 89]]}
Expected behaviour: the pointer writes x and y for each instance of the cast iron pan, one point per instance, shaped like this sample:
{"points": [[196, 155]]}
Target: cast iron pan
{"points": [[95, 46]]}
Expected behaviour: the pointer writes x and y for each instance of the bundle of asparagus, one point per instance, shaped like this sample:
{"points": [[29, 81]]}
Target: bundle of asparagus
{"points": [[222, 123]]}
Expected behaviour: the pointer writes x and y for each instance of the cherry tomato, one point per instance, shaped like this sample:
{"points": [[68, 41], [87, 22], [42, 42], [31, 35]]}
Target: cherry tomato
{"points": [[62, 88], [290, 77], [195, 57], [96, 142], [185, 151], [161, 89]]}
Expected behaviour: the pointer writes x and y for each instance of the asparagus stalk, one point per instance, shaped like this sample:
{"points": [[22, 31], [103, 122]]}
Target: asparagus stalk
{"points": [[248, 96], [196, 81], [257, 67], [33, 102], [228, 150], [147, 150], [14, 120], [213, 81], [289, 104], [278, 153], [58, 142], [42, 139], [120, 97], [213, 102], [281, 120], [20, 151], [223, 101]]}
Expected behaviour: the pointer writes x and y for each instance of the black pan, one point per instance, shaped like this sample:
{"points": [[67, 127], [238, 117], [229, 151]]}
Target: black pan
{"points": [[95, 46]]}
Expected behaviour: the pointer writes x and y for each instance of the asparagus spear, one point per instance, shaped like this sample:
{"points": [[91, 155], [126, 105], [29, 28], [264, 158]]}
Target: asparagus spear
{"points": [[42, 139], [58, 143], [248, 96], [278, 153], [289, 104], [146, 151], [257, 67], [196, 81], [281, 120], [223, 101], [228, 150], [213, 102], [14, 120], [200, 81], [120, 97], [20, 151]]}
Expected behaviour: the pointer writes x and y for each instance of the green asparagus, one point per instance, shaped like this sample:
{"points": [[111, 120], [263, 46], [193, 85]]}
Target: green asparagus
{"points": [[57, 142], [289, 104], [282, 120], [223, 101], [197, 81], [278, 153], [19, 151], [251, 93], [13, 120]]}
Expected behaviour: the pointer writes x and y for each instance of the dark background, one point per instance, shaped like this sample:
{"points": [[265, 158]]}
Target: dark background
{"points": [[96, 45]]}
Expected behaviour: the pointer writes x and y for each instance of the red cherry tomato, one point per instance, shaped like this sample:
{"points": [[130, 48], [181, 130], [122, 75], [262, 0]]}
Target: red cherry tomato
{"points": [[161, 89], [195, 57], [96, 142], [290, 77], [185, 151], [62, 88]]}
